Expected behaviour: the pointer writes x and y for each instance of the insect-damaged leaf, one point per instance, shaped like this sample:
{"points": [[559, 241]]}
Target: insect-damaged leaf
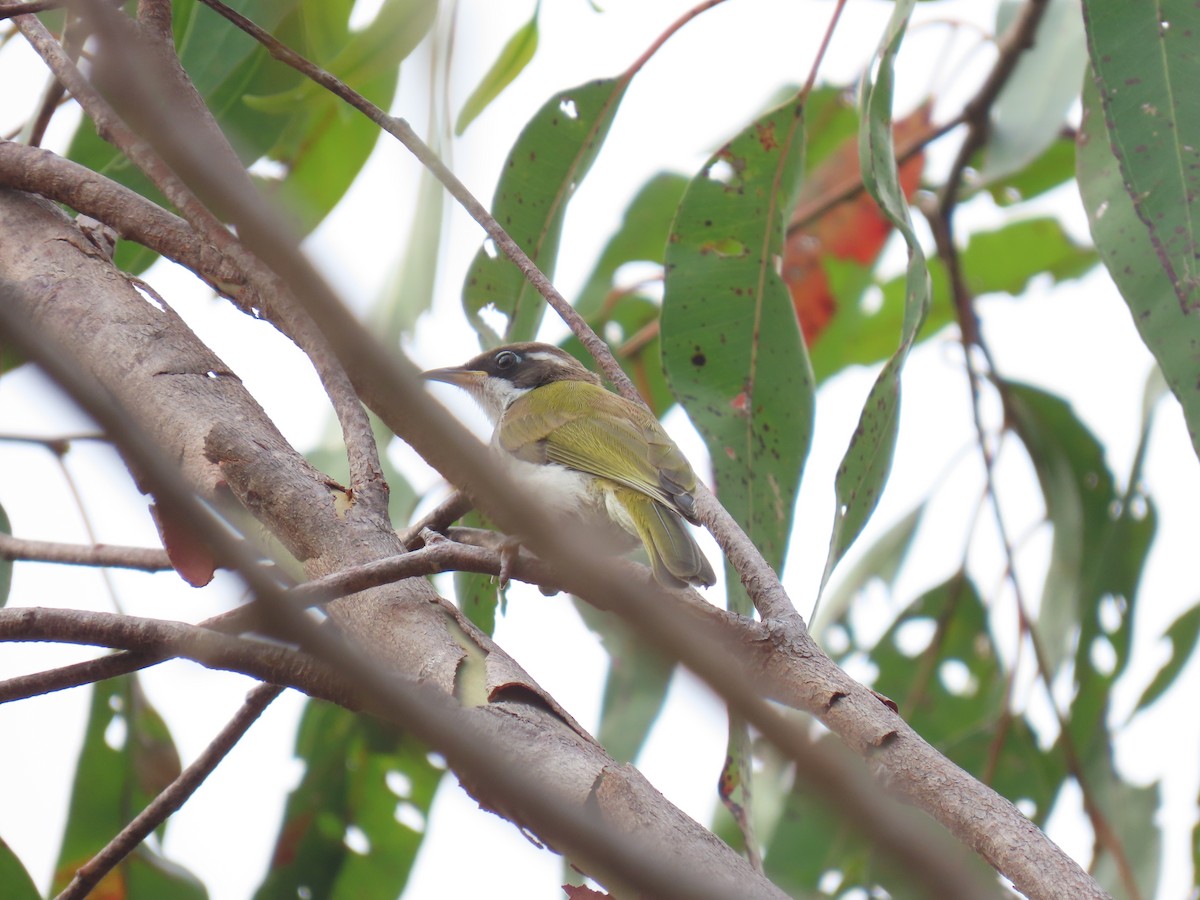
{"points": [[731, 344]]}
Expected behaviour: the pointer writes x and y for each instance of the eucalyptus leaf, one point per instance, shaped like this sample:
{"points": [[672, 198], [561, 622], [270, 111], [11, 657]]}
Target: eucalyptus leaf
{"points": [[1169, 330], [1146, 66], [1032, 107], [867, 463], [513, 58], [551, 156], [731, 345]]}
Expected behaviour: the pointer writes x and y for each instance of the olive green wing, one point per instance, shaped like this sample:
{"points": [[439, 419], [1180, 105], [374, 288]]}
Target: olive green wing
{"points": [[584, 427]]}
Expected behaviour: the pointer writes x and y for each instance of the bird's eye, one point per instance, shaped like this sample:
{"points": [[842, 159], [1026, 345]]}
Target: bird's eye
{"points": [[506, 359]]}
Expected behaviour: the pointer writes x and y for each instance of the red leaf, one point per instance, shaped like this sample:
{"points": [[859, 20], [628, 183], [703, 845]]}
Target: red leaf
{"points": [[852, 230]]}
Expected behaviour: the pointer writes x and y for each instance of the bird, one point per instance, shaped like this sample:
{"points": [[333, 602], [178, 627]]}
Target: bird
{"points": [[588, 454]]}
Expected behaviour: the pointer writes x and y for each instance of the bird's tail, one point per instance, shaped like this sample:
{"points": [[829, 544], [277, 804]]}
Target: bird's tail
{"points": [[674, 554]]}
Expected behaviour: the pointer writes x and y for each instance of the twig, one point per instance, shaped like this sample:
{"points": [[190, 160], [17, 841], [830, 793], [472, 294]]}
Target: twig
{"points": [[8, 10], [812, 72], [976, 115], [147, 559], [259, 659], [173, 797]]}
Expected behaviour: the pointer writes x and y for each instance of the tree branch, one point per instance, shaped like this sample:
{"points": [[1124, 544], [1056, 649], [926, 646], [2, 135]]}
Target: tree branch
{"points": [[148, 559]]}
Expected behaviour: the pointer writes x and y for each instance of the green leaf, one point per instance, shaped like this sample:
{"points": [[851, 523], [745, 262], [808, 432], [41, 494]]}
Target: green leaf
{"points": [[865, 468], [322, 142], [345, 831], [127, 757], [478, 595], [635, 688], [551, 156], [1101, 539], [1032, 107], [731, 345], [1183, 636], [409, 291], [1168, 329], [1146, 67], [18, 885], [1130, 813], [6, 565], [513, 58]]}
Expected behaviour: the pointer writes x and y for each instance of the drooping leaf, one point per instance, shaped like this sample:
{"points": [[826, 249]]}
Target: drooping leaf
{"points": [[1032, 107], [1146, 67], [865, 468], [353, 826], [18, 885], [1169, 330], [551, 156], [513, 58], [1129, 812], [478, 595], [731, 345], [127, 757]]}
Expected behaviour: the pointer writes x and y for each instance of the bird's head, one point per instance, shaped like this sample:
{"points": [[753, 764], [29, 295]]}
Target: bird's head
{"points": [[497, 377]]}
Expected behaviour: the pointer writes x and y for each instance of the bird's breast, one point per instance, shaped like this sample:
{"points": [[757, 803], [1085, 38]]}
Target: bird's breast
{"points": [[569, 494]]}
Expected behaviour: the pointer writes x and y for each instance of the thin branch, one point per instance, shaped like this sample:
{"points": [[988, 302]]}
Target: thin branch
{"points": [[812, 72], [173, 797], [656, 45], [977, 116], [146, 559], [259, 659], [8, 10]]}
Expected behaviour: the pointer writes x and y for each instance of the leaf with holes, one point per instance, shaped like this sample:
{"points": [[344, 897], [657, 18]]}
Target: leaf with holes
{"points": [[1101, 538], [731, 345], [551, 156], [354, 824], [127, 756]]}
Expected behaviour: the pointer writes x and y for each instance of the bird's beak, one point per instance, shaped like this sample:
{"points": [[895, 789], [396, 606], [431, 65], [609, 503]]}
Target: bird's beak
{"points": [[457, 375]]}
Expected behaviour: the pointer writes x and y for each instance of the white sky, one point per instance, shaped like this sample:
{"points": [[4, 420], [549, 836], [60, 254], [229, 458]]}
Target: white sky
{"points": [[1076, 340]]}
